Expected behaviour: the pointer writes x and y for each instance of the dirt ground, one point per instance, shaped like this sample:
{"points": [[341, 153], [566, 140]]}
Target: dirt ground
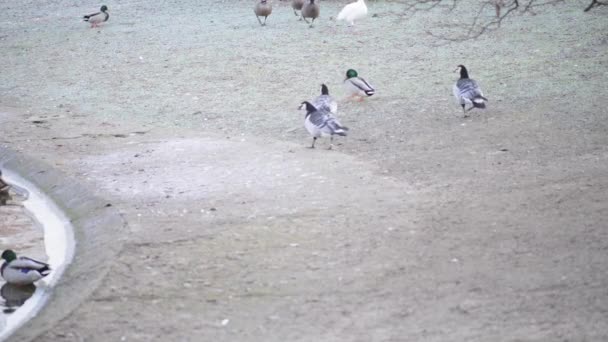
{"points": [[421, 225]]}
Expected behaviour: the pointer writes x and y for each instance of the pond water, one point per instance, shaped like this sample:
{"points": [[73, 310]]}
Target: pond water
{"points": [[19, 304]]}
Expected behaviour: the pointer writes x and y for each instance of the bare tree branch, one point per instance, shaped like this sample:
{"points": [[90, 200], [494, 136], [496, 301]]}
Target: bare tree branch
{"points": [[481, 22], [595, 3]]}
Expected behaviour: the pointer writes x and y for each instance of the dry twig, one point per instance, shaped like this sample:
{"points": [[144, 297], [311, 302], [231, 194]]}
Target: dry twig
{"points": [[481, 22]]}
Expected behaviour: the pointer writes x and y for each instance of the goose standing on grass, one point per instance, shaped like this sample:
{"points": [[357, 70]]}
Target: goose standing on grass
{"points": [[466, 90], [297, 6], [22, 270], [310, 10], [321, 123], [98, 17], [353, 11], [356, 86], [262, 9], [325, 101]]}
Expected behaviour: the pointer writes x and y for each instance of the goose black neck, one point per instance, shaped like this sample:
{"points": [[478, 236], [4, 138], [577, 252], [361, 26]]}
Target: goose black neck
{"points": [[309, 107], [324, 90], [463, 72]]}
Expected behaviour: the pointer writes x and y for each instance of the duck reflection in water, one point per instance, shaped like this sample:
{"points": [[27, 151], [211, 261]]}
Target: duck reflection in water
{"points": [[14, 296]]}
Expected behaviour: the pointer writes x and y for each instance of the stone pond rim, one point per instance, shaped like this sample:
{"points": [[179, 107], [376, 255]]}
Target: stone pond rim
{"points": [[99, 233]]}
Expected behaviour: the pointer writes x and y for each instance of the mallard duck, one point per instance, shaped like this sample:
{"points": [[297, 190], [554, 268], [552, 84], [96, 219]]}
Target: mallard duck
{"points": [[357, 86], [98, 17], [22, 270], [352, 12], [297, 6], [319, 122], [467, 91], [262, 9], [325, 101], [310, 10]]}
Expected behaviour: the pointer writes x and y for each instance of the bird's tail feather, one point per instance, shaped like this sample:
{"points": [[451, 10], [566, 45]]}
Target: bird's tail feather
{"points": [[341, 131], [479, 104]]}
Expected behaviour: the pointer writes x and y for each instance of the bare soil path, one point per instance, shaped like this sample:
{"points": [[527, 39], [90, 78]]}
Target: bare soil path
{"points": [[420, 226]]}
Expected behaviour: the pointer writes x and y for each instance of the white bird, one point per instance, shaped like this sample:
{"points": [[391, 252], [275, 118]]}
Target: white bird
{"points": [[353, 11], [467, 91], [321, 123], [22, 270]]}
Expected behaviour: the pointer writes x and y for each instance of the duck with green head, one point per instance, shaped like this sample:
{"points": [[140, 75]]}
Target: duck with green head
{"points": [[22, 270], [98, 17], [356, 86]]}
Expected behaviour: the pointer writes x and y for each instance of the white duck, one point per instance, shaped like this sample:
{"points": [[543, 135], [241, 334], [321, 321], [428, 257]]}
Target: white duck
{"points": [[22, 270], [353, 11]]}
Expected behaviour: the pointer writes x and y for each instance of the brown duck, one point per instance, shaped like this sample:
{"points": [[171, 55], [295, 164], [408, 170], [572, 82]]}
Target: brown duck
{"points": [[262, 9], [297, 6], [310, 10]]}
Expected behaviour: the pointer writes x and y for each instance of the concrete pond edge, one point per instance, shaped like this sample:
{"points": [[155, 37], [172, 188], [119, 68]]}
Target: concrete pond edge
{"points": [[99, 233]]}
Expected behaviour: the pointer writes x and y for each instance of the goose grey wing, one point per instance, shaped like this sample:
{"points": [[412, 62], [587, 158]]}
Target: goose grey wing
{"points": [[335, 126], [467, 88], [326, 102], [319, 118]]}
